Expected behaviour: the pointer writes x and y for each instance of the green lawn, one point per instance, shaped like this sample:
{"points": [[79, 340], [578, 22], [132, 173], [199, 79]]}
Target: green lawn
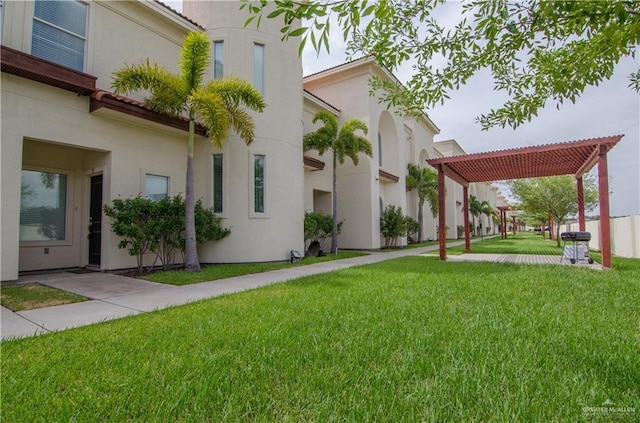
{"points": [[521, 243], [34, 295], [411, 339], [221, 271]]}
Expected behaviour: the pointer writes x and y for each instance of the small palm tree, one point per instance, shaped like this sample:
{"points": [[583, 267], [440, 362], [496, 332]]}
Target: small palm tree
{"points": [[487, 210], [218, 104], [343, 143], [425, 180], [475, 208]]}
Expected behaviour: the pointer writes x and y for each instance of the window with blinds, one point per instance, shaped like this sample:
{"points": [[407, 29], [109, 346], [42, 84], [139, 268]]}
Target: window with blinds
{"points": [[218, 59], [43, 206], [156, 187], [60, 32]]}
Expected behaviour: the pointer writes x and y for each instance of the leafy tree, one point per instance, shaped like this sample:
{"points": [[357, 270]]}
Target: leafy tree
{"points": [[219, 105], [392, 225], [318, 226], [555, 196], [425, 181], [343, 143], [536, 51]]}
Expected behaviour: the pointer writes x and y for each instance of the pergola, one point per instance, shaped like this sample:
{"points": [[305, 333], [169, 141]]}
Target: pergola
{"points": [[567, 158]]}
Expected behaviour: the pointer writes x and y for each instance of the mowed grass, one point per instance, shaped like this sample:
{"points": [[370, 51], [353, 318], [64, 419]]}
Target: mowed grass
{"points": [[411, 339], [221, 271], [521, 243], [35, 295]]}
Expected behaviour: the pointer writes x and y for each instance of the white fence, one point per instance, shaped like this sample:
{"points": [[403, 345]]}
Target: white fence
{"points": [[625, 235]]}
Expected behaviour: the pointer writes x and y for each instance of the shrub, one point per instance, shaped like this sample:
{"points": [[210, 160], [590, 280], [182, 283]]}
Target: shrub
{"points": [[412, 226], [318, 225], [158, 227], [460, 230], [392, 225]]}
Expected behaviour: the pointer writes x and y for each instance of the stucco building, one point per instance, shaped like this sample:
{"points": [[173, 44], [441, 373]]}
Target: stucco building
{"points": [[70, 145]]}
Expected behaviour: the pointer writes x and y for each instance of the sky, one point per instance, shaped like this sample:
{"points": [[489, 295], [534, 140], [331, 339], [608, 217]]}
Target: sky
{"points": [[611, 108]]}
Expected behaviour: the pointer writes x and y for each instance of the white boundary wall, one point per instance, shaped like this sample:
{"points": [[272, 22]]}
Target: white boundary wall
{"points": [[625, 235]]}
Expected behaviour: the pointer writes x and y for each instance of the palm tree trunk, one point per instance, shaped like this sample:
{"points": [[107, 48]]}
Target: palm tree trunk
{"points": [[334, 226], [191, 263], [420, 207]]}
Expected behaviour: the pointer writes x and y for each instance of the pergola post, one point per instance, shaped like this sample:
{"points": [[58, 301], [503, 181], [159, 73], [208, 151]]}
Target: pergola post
{"points": [[603, 194], [581, 218], [442, 223], [467, 240]]}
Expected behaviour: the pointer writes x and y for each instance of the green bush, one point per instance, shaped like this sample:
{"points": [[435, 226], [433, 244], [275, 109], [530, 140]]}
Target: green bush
{"points": [[392, 225], [318, 225], [158, 227], [412, 226]]}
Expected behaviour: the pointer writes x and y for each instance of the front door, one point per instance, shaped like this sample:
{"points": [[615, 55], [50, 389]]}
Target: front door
{"points": [[95, 220]]}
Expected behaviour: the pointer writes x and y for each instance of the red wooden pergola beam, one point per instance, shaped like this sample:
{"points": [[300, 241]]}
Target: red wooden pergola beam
{"points": [[589, 162]]}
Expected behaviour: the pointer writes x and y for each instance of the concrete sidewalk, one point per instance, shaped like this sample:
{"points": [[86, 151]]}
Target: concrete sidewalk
{"points": [[112, 296]]}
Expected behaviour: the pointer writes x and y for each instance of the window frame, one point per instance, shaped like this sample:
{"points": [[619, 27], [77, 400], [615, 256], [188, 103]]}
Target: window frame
{"points": [[252, 186], [84, 38], [68, 223], [158, 175], [222, 185], [213, 57], [261, 87]]}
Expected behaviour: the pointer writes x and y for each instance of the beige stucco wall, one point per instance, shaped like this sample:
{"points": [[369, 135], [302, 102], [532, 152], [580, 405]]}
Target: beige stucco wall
{"points": [[269, 236], [625, 235]]}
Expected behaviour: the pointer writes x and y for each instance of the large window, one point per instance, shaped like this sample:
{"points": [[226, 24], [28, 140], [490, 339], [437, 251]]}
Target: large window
{"points": [[259, 183], [156, 187], [218, 59], [258, 67], [43, 206], [217, 184], [59, 32]]}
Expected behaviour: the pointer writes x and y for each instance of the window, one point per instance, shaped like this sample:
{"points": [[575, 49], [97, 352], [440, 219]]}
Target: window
{"points": [[258, 183], [218, 59], [43, 206], [258, 67], [59, 32], [379, 149], [217, 183], [156, 187]]}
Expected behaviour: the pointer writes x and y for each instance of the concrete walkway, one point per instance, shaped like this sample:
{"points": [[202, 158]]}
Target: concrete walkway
{"points": [[112, 296]]}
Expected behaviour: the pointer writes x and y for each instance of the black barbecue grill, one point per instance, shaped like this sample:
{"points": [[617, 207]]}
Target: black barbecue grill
{"points": [[578, 239]]}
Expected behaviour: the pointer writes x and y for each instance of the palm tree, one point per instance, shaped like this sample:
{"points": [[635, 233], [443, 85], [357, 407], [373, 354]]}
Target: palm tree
{"points": [[475, 208], [487, 210], [426, 182], [219, 105], [343, 143]]}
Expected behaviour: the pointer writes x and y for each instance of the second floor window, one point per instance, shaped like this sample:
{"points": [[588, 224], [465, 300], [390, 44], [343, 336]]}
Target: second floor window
{"points": [[258, 67], [218, 59], [60, 32]]}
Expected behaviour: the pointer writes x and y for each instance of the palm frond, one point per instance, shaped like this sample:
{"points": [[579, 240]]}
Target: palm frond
{"points": [[349, 144], [214, 114], [194, 59], [236, 92], [167, 93], [241, 122], [324, 137]]}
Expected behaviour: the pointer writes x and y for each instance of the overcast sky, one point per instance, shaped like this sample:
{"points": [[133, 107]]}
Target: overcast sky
{"points": [[609, 109]]}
